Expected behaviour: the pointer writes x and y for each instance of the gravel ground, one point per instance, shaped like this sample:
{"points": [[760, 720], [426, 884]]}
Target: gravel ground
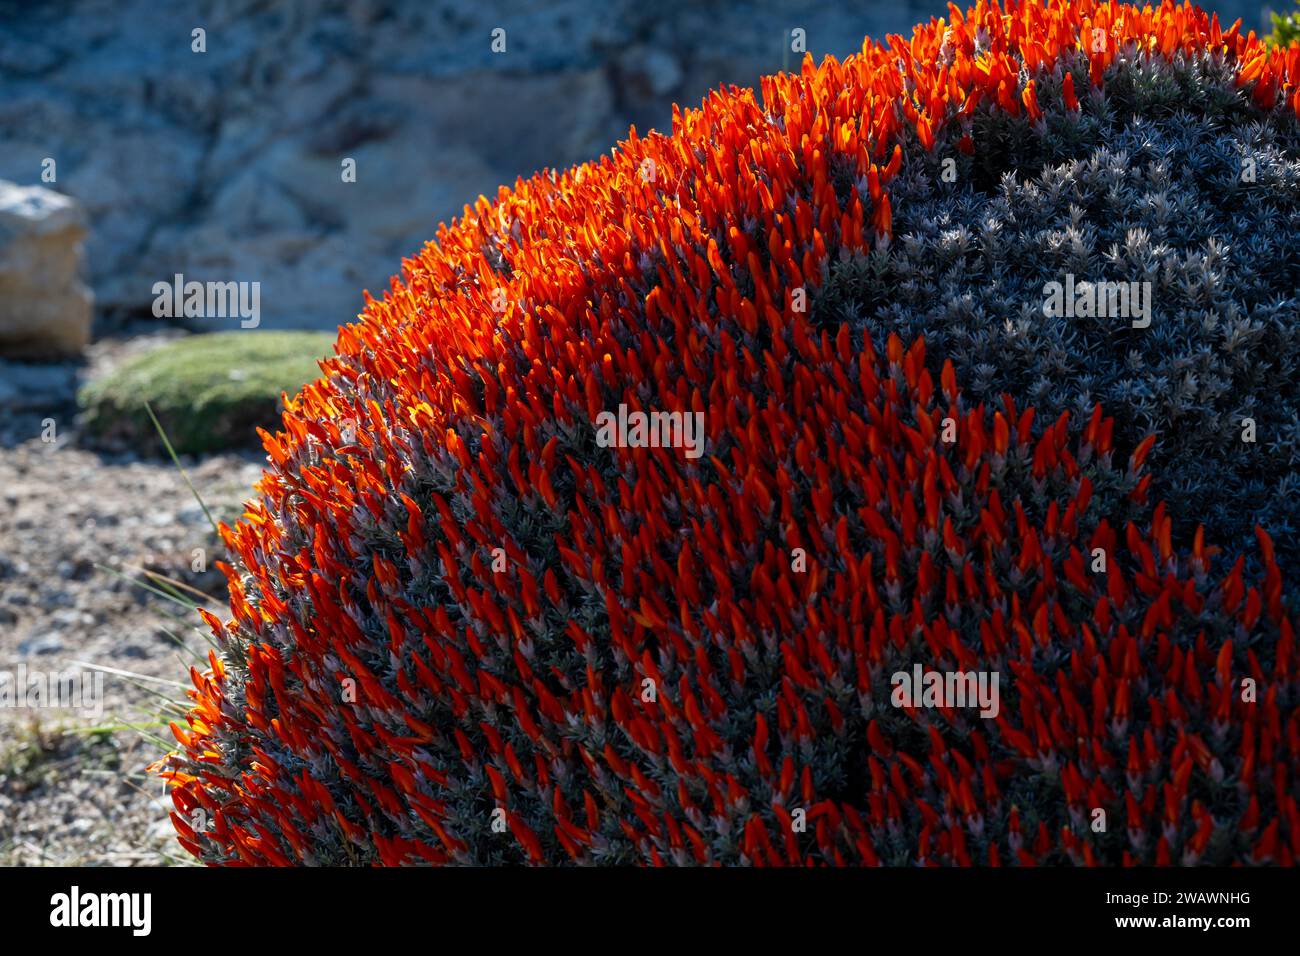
{"points": [[77, 528]]}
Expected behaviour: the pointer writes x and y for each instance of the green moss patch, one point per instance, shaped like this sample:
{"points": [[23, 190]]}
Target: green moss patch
{"points": [[210, 392]]}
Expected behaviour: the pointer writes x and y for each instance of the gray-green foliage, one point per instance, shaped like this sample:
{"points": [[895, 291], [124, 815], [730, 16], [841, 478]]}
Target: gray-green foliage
{"points": [[1203, 204]]}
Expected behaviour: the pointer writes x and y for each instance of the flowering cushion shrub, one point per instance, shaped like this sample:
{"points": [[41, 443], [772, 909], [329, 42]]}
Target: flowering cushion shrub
{"points": [[465, 630]]}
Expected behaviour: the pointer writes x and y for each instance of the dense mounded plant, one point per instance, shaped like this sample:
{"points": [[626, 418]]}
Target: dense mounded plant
{"points": [[465, 630]]}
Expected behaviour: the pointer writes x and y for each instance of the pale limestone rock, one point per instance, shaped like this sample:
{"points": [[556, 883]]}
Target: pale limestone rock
{"points": [[45, 309]]}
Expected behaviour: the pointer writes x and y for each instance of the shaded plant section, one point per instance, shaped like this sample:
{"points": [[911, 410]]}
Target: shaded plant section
{"points": [[462, 631], [1204, 206]]}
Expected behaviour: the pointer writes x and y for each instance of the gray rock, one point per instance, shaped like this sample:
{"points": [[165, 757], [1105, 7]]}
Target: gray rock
{"points": [[47, 643], [44, 308], [131, 186], [28, 387]]}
